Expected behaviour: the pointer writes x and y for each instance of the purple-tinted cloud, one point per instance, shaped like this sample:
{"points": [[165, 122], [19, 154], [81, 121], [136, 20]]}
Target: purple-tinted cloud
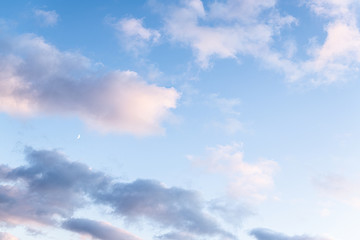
{"points": [[37, 78], [96, 229], [267, 234], [50, 188]]}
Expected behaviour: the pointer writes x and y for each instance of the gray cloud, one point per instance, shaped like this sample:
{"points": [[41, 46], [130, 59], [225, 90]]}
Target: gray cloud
{"points": [[50, 187], [267, 234], [37, 78], [171, 207], [99, 230]]}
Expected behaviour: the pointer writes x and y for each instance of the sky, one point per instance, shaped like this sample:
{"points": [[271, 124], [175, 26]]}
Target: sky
{"points": [[179, 120]]}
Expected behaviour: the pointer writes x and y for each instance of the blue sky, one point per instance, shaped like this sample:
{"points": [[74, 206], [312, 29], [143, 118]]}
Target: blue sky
{"points": [[174, 120]]}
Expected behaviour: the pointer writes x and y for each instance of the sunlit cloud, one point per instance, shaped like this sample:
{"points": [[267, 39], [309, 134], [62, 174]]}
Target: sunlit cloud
{"points": [[37, 78]]}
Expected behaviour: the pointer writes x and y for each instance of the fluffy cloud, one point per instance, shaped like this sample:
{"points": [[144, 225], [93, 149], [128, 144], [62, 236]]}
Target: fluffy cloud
{"points": [[229, 29], [47, 18], [267, 234], [99, 230], [246, 180], [237, 28], [37, 78], [338, 57], [51, 188]]}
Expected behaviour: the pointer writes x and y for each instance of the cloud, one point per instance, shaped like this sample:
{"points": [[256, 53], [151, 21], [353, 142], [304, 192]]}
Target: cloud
{"points": [[47, 18], [246, 180], [96, 229], [37, 78], [228, 30], [239, 28], [50, 188], [338, 57], [133, 34], [267, 234], [7, 236], [177, 236], [171, 207]]}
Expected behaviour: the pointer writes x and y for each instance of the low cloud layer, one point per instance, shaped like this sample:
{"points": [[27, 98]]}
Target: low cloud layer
{"points": [[98, 230], [51, 188], [267, 234], [37, 78]]}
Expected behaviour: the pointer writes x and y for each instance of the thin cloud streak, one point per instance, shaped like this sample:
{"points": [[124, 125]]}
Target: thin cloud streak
{"points": [[267, 234], [96, 229]]}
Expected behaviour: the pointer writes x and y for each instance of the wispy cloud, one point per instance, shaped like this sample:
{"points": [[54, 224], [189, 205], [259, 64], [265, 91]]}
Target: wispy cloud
{"points": [[37, 78], [132, 34], [246, 180], [227, 30], [234, 29], [50, 189], [339, 188], [47, 18]]}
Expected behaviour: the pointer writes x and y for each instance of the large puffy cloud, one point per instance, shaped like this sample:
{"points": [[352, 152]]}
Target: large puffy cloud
{"points": [[96, 229], [37, 78], [50, 189], [267, 234], [249, 181]]}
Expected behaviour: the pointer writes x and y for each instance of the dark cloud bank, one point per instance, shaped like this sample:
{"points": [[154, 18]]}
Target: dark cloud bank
{"points": [[50, 188]]}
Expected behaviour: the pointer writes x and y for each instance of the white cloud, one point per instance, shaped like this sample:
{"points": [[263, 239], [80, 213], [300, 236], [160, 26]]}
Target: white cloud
{"points": [[246, 180], [229, 29], [133, 34], [37, 78], [234, 28], [338, 57], [47, 18]]}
